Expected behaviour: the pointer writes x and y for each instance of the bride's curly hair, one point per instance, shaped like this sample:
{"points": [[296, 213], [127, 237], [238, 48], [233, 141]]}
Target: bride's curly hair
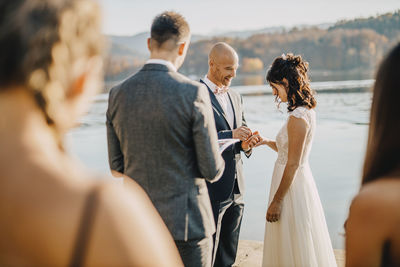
{"points": [[294, 69]]}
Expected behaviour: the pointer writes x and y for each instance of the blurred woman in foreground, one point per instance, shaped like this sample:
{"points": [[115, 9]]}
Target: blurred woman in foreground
{"points": [[373, 226], [51, 211]]}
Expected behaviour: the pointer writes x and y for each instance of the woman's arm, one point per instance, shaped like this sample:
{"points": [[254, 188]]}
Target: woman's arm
{"points": [[297, 130], [265, 141], [269, 142]]}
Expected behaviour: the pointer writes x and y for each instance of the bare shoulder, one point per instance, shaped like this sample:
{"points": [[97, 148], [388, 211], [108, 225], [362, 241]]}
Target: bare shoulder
{"points": [[385, 191], [378, 198], [373, 219], [129, 228], [300, 117], [297, 125], [117, 197]]}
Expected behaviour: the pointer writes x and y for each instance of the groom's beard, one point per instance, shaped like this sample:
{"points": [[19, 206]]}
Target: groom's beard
{"points": [[227, 81]]}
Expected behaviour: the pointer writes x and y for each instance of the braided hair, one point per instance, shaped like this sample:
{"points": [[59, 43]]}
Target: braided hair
{"points": [[42, 41]]}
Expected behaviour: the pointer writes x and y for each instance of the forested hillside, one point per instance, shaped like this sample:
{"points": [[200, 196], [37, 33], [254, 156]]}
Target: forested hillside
{"points": [[357, 44]]}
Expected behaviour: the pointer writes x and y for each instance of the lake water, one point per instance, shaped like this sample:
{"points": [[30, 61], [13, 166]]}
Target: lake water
{"points": [[336, 157]]}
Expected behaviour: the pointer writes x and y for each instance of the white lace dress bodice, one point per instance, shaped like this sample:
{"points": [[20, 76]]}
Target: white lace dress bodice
{"points": [[282, 140]]}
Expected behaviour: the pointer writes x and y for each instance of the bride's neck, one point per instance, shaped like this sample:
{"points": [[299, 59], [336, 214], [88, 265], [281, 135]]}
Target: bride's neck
{"points": [[23, 128]]}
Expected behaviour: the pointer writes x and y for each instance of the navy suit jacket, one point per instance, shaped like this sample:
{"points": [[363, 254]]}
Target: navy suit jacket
{"points": [[221, 190]]}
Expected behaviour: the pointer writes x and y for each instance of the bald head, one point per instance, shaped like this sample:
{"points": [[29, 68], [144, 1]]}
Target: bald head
{"points": [[221, 52], [223, 62]]}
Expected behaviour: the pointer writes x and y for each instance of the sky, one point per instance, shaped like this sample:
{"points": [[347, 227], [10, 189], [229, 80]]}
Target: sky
{"points": [[129, 17]]}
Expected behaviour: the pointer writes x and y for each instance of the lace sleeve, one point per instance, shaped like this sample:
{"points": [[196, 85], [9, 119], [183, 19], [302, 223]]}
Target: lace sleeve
{"points": [[301, 113]]}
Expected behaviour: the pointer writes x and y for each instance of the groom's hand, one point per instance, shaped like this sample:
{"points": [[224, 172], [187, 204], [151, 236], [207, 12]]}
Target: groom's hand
{"points": [[251, 142], [243, 133]]}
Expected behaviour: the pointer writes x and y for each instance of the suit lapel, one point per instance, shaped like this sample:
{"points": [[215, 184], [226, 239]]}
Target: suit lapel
{"points": [[216, 104]]}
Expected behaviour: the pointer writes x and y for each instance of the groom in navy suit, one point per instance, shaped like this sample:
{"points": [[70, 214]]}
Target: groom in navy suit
{"points": [[226, 195]]}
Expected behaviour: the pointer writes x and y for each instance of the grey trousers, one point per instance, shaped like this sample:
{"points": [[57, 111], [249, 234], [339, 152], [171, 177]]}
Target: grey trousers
{"points": [[196, 252]]}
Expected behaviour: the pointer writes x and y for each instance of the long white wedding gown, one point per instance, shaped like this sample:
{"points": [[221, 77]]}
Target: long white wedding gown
{"points": [[300, 237]]}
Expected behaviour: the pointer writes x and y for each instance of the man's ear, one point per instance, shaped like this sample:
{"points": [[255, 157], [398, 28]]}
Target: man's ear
{"points": [[148, 43], [181, 48], [210, 63]]}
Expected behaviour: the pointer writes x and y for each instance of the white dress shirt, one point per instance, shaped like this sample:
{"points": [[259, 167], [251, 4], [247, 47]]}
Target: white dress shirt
{"points": [[223, 100], [162, 62]]}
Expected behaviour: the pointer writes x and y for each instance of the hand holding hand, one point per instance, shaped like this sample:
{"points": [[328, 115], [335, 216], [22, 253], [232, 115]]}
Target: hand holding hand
{"points": [[243, 133], [251, 142], [261, 140], [274, 211]]}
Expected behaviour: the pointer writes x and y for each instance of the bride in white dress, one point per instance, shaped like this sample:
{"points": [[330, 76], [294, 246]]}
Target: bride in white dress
{"points": [[296, 233]]}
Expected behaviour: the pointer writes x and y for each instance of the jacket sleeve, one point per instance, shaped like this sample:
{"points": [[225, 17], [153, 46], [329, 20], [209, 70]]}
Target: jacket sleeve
{"points": [[226, 134], [209, 160], [115, 156]]}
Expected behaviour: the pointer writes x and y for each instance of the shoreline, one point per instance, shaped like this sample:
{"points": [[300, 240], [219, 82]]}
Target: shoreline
{"points": [[250, 254]]}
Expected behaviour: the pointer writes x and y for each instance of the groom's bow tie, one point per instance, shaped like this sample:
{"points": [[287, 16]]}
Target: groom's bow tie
{"points": [[222, 90]]}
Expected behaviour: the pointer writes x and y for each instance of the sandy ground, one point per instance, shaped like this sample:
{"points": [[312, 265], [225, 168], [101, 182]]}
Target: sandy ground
{"points": [[250, 254]]}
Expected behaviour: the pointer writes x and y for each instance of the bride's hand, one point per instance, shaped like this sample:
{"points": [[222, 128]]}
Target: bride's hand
{"points": [[274, 211], [261, 140]]}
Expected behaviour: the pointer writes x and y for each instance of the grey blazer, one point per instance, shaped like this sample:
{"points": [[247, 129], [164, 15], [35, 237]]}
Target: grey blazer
{"points": [[161, 133]]}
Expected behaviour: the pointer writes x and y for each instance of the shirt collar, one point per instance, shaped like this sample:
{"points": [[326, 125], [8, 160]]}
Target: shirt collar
{"points": [[214, 88], [162, 62], [210, 84]]}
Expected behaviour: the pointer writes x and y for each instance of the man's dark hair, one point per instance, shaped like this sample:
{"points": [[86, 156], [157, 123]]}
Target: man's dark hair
{"points": [[169, 25]]}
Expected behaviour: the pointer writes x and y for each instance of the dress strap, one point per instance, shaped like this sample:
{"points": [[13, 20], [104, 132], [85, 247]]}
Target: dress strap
{"points": [[84, 232]]}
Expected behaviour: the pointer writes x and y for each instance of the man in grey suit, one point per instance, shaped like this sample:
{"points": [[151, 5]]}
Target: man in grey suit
{"points": [[161, 133]]}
